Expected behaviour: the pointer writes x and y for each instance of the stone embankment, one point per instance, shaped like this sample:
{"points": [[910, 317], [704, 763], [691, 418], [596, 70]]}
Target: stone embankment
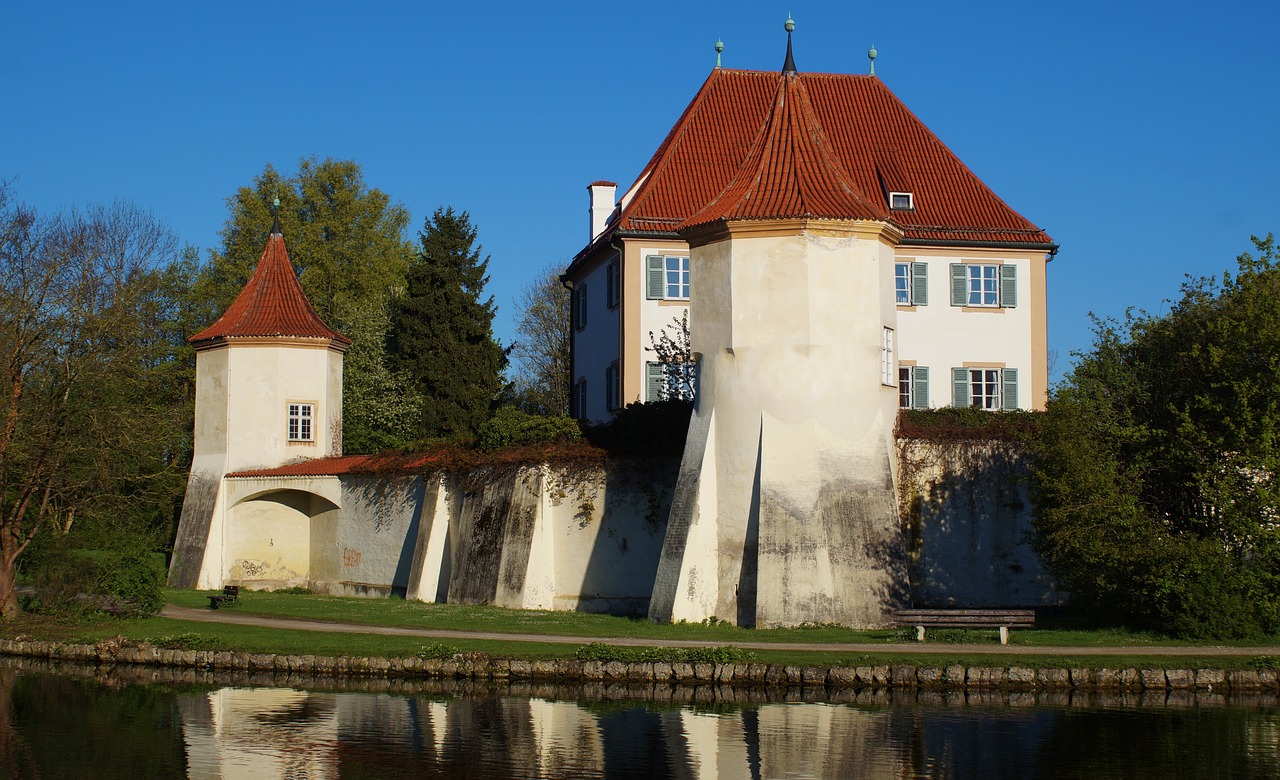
{"points": [[477, 666]]}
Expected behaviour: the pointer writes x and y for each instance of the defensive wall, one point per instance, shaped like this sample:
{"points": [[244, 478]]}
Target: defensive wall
{"points": [[590, 537]]}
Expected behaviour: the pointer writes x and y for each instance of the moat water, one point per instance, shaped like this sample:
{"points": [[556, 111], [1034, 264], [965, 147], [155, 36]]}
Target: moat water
{"points": [[84, 724]]}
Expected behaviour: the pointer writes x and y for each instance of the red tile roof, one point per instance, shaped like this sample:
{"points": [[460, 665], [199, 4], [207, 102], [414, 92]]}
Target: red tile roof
{"points": [[790, 170], [878, 145], [272, 303], [381, 463]]}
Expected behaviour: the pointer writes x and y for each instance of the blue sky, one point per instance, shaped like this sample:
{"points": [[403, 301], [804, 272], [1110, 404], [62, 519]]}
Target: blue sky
{"points": [[1140, 135]]}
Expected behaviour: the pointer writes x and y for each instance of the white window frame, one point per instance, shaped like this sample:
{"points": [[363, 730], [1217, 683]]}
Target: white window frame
{"points": [[983, 281], [913, 387], [680, 275], [902, 284], [909, 203], [888, 376], [982, 380], [300, 425]]}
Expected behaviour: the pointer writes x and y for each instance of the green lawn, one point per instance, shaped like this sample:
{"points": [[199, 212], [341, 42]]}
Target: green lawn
{"points": [[400, 613], [416, 614]]}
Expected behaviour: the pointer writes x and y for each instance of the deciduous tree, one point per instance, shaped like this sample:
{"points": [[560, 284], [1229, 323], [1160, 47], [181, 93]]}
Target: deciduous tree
{"points": [[348, 241], [1157, 469], [87, 401], [542, 346], [672, 348]]}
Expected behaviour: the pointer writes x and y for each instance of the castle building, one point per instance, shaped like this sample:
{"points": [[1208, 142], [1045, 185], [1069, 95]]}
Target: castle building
{"points": [[831, 254], [968, 272]]}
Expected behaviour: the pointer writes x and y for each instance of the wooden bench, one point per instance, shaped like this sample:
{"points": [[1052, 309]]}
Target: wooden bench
{"points": [[230, 594], [1003, 619]]}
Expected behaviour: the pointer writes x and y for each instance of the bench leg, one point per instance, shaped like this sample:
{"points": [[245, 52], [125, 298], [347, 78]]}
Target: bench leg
{"points": [[919, 633], [1004, 635]]}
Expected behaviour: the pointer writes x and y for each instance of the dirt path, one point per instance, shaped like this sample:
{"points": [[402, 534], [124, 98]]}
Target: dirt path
{"points": [[230, 616]]}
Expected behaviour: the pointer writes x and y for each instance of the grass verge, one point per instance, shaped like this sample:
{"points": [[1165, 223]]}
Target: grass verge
{"points": [[599, 628], [395, 612]]}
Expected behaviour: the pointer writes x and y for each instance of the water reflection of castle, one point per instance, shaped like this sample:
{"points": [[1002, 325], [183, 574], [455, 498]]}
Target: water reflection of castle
{"points": [[281, 733]]}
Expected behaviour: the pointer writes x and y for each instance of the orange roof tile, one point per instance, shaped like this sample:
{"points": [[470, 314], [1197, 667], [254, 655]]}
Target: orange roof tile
{"points": [[381, 463], [272, 303], [790, 170], [878, 145]]}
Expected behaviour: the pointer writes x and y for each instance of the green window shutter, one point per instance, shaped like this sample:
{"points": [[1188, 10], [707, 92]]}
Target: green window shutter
{"points": [[653, 381], [919, 284], [1008, 286], [959, 283], [655, 278], [960, 387], [920, 387], [611, 284], [581, 311], [1009, 391]]}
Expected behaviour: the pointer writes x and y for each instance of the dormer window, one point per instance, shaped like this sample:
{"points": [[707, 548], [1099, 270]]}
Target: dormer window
{"points": [[901, 201]]}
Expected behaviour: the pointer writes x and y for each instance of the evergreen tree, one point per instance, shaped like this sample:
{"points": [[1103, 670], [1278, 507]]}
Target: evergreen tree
{"points": [[347, 242], [442, 331]]}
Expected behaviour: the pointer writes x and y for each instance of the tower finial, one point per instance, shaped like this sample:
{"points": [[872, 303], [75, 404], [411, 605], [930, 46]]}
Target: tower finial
{"points": [[789, 66], [719, 48], [871, 55], [275, 216]]}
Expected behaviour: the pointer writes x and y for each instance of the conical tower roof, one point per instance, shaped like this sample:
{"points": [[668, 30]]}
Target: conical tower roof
{"points": [[272, 304], [790, 171]]}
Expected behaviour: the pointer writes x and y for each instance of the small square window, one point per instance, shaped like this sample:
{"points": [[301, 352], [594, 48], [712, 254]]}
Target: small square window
{"points": [[901, 201], [301, 417]]}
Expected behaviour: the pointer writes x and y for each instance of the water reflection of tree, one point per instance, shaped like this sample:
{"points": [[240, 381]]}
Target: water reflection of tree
{"points": [[15, 758], [72, 727], [1157, 744]]}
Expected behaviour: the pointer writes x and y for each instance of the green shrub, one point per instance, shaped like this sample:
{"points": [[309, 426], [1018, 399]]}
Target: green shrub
{"points": [[510, 427], [437, 650], [133, 582]]}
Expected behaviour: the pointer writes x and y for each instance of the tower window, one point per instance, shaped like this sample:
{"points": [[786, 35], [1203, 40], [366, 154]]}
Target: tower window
{"points": [[301, 417]]}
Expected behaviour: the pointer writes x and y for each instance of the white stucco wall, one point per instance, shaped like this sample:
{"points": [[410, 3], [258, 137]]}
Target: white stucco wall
{"points": [[942, 336], [787, 327], [260, 382]]}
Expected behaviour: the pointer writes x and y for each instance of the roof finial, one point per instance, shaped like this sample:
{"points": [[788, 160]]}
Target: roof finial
{"points": [[275, 216], [719, 48], [789, 66], [871, 55]]}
